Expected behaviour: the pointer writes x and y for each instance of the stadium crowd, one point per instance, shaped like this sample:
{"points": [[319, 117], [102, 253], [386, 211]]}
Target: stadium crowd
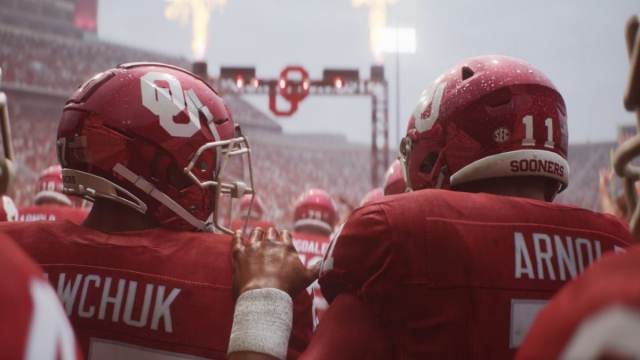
{"points": [[61, 63], [36, 60]]}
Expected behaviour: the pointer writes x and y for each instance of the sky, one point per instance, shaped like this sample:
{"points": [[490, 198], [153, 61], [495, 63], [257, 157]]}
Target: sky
{"points": [[579, 44]]}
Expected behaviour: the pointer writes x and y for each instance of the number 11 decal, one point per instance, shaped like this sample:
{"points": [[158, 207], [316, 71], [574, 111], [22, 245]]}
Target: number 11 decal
{"points": [[529, 140]]}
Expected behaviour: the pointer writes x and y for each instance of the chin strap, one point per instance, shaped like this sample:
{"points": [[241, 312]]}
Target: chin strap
{"points": [[91, 186], [405, 150], [161, 197]]}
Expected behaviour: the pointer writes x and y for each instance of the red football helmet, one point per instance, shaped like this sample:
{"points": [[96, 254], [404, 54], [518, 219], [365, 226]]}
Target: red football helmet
{"points": [[488, 117], [394, 180], [315, 208], [50, 187], [156, 138], [373, 195], [253, 211]]}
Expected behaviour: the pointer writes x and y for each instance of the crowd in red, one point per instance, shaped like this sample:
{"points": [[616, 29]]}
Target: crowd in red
{"points": [[52, 62], [55, 64], [50, 67]]}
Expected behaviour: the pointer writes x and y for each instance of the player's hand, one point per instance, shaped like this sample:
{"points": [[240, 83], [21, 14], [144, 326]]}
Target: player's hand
{"points": [[269, 260]]}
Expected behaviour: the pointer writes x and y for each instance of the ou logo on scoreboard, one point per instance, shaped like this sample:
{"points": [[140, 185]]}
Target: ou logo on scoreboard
{"points": [[167, 103]]}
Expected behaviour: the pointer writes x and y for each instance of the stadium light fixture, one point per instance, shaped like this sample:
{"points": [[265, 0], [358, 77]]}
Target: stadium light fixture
{"points": [[400, 40]]}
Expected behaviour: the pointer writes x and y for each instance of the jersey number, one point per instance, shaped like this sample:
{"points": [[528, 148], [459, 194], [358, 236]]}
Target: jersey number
{"points": [[315, 214], [49, 332]]}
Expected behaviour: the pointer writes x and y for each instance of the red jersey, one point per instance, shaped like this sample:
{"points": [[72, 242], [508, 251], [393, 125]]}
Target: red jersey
{"points": [[143, 292], [238, 224], [311, 249], [52, 213], [34, 325], [458, 275], [347, 332], [592, 317]]}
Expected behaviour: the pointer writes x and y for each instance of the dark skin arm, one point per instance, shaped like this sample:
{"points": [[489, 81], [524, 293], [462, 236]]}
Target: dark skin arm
{"points": [[267, 260], [348, 330]]}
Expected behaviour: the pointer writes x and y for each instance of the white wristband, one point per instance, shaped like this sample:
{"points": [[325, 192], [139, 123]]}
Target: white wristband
{"points": [[262, 323]]}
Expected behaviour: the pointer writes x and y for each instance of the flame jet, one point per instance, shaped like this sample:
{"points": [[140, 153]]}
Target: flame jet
{"points": [[377, 21], [199, 12]]}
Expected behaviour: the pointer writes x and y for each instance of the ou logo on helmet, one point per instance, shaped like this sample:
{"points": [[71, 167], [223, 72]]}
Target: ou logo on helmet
{"points": [[167, 103], [432, 95]]}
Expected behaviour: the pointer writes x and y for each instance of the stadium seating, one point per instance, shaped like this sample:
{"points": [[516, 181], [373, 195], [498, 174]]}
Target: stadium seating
{"points": [[284, 170], [59, 63], [585, 161], [284, 165]]}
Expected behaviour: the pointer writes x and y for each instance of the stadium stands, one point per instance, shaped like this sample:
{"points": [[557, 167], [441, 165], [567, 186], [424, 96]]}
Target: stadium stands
{"points": [[34, 130], [41, 69], [585, 160], [46, 16], [58, 63], [248, 116], [283, 169]]}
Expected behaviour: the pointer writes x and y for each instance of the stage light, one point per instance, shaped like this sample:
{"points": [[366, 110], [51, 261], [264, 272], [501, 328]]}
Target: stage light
{"points": [[305, 85], [255, 82], [340, 77], [238, 75], [283, 83]]}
